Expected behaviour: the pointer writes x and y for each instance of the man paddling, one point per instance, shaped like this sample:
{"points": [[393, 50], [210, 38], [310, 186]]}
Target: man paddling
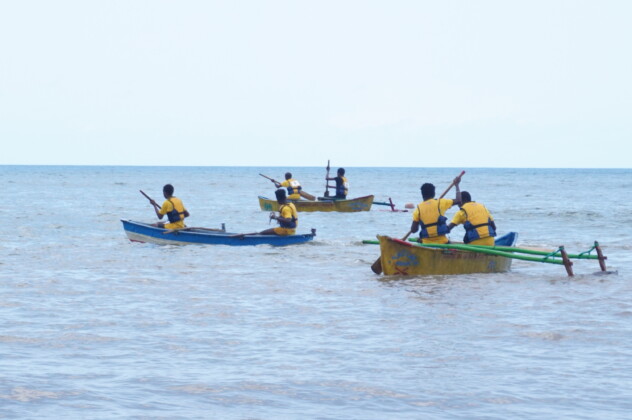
{"points": [[172, 207], [430, 214], [478, 222], [287, 218], [293, 186], [342, 185]]}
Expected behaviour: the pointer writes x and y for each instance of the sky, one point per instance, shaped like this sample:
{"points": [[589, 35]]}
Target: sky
{"points": [[295, 83]]}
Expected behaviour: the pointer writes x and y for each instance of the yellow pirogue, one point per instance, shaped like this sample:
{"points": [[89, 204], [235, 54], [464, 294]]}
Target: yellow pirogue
{"points": [[350, 205], [405, 258]]}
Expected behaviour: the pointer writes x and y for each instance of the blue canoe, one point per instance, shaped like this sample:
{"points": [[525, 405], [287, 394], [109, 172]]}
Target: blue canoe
{"points": [[144, 232]]}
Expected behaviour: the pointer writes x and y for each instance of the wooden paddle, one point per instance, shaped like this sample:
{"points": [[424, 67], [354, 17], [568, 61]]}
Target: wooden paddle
{"points": [[327, 181], [303, 194], [150, 200], [376, 267], [307, 196], [191, 228]]}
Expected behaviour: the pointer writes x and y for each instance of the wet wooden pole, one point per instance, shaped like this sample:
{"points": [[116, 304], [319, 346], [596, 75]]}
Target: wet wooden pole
{"points": [[568, 264], [601, 257]]}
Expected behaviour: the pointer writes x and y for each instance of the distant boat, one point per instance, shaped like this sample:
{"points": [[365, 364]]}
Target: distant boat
{"points": [[408, 258], [144, 232], [324, 204]]}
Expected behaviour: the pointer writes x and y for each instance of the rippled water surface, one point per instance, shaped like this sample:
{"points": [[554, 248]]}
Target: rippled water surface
{"points": [[94, 326]]}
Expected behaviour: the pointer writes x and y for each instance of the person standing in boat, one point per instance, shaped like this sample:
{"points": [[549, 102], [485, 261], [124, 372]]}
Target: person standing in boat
{"points": [[293, 187], [172, 208], [478, 222], [430, 215], [342, 185], [287, 217]]}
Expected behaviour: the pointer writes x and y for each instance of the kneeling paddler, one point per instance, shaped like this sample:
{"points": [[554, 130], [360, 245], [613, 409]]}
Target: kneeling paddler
{"points": [[478, 222], [287, 218]]}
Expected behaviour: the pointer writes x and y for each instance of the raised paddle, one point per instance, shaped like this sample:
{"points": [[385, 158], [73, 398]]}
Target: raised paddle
{"points": [[327, 181], [150, 200], [376, 267], [303, 194]]}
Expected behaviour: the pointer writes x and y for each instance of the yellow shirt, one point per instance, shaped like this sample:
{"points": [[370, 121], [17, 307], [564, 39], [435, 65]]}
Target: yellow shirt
{"points": [[288, 211], [295, 186], [475, 213], [430, 207], [167, 207]]}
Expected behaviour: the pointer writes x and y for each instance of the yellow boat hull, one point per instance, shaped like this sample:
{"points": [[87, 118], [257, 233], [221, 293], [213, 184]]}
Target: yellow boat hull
{"points": [[346, 206], [408, 259]]}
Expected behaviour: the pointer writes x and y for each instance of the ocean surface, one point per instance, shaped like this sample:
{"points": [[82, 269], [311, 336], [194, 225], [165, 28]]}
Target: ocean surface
{"points": [[94, 326]]}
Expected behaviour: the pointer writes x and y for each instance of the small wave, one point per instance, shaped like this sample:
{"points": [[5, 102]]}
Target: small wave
{"points": [[14, 339], [546, 335], [22, 394]]}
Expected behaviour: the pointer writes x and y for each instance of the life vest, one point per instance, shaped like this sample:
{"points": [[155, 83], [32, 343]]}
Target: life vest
{"points": [[174, 215], [294, 219], [477, 217], [294, 187], [342, 187], [432, 214]]}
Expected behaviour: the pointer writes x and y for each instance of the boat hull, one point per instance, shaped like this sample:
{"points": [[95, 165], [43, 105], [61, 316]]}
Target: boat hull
{"points": [[346, 206], [144, 232], [407, 258]]}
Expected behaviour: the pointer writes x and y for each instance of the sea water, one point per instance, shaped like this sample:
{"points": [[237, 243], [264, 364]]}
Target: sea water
{"points": [[95, 326]]}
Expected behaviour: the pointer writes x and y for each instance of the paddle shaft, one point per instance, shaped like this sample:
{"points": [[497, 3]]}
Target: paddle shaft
{"points": [[153, 203], [452, 185], [267, 177], [192, 228], [327, 181]]}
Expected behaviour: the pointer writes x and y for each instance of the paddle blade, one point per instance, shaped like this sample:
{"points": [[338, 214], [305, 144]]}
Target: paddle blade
{"points": [[307, 196], [376, 267]]}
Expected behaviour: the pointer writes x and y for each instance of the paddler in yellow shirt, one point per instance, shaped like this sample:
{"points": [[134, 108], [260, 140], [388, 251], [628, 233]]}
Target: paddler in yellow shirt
{"points": [[172, 208], [478, 222], [293, 187], [287, 218], [430, 215]]}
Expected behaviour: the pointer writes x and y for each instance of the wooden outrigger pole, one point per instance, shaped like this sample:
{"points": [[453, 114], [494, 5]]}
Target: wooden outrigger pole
{"points": [[568, 264]]}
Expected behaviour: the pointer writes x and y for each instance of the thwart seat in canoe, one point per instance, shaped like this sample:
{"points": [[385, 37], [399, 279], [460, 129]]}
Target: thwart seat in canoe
{"points": [[144, 232], [408, 258], [350, 205]]}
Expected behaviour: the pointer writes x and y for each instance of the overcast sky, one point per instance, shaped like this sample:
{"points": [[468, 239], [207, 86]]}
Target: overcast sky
{"points": [[294, 83]]}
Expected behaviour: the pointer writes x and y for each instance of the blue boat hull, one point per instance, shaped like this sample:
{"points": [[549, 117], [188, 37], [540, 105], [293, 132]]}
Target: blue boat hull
{"points": [[144, 232], [508, 239]]}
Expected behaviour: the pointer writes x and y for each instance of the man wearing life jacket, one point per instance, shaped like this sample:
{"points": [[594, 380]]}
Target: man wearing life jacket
{"points": [[342, 184], [293, 187], [287, 218], [478, 222], [430, 215], [173, 208]]}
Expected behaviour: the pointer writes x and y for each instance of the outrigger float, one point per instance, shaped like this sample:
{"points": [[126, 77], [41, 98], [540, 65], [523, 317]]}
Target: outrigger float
{"points": [[412, 258], [144, 232]]}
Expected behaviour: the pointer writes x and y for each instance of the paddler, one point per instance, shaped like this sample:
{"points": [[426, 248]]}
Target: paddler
{"points": [[478, 222], [173, 208], [342, 184], [287, 217], [293, 186], [430, 214]]}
